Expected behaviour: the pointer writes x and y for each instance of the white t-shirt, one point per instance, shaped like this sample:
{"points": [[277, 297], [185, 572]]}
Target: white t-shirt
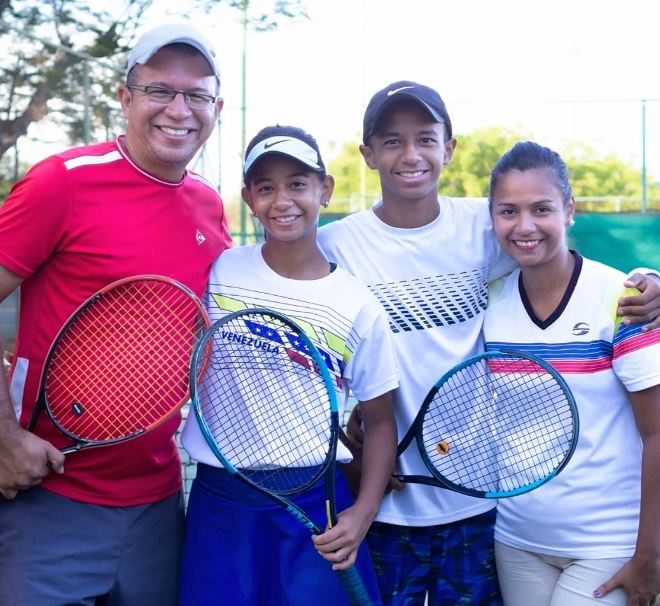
{"points": [[432, 282], [591, 509], [340, 316]]}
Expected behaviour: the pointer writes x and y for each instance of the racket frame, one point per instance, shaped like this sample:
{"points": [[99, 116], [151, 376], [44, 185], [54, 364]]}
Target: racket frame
{"points": [[417, 428], [42, 401], [349, 578]]}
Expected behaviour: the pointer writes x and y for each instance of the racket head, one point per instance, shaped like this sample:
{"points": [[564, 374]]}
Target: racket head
{"points": [[267, 405], [119, 366], [500, 424]]}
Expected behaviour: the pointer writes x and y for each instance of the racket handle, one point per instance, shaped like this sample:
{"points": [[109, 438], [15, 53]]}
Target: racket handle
{"points": [[354, 586], [70, 449]]}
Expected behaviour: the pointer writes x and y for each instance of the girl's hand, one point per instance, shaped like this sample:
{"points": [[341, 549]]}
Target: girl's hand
{"points": [[639, 578], [339, 545]]}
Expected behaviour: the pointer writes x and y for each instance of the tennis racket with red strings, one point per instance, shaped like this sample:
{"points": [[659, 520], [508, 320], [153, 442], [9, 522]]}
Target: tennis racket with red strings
{"points": [[119, 366]]}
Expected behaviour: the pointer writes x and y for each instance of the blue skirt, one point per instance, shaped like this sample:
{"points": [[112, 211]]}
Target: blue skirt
{"points": [[243, 549]]}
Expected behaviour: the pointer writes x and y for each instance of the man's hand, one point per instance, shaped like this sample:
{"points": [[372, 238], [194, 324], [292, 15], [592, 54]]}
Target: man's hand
{"points": [[25, 459], [644, 307]]}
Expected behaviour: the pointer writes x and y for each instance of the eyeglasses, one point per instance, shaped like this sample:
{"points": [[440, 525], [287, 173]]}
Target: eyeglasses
{"points": [[159, 94]]}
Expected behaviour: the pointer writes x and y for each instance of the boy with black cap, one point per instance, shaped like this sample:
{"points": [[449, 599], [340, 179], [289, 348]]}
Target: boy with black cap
{"points": [[107, 526], [428, 259], [237, 538]]}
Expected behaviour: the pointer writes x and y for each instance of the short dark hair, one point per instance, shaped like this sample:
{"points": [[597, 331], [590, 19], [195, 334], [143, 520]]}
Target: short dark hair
{"points": [[528, 155]]}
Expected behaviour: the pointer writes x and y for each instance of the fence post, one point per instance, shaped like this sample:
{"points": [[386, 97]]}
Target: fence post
{"points": [[643, 155]]}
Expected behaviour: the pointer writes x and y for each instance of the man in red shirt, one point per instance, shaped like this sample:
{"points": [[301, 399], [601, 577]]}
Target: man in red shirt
{"points": [[108, 522]]}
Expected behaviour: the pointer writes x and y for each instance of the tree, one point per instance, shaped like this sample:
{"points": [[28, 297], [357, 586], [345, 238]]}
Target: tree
{"points": [[49, 41], [267, 19], [55, 42], [354, 181], [468, 174], [594, 175]]}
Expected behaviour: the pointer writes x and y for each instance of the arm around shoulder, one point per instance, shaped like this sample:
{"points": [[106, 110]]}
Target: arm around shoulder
{"points": [[645, 305]]}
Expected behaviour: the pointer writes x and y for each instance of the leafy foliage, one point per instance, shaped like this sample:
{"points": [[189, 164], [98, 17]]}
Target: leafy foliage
{"points": [[354, 181], [594, 175], [44, 72], [267, 19], [60, 45], [468, 174]]}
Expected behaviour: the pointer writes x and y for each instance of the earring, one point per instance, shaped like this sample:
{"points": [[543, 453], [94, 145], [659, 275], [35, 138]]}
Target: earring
{"points": [[325, 203], [571, 222]]}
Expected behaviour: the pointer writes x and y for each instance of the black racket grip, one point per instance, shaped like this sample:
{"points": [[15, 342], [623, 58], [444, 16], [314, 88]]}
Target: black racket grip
{"points": [[354, 586]]}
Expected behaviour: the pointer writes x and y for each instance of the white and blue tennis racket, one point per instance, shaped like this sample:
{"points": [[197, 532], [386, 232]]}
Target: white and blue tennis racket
{"points": [[268, 410], [500, 424]]}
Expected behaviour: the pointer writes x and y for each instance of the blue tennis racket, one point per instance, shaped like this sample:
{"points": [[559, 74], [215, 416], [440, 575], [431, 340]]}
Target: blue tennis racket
{"points": [[268, 410], [500, 424]]}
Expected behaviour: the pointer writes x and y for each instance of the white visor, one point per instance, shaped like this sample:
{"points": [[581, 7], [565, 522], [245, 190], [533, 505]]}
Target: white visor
{"points": [[285, 146]]}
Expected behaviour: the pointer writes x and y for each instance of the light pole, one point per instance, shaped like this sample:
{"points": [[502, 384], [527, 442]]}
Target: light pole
{"points": [[243, 212], [643, 155]]}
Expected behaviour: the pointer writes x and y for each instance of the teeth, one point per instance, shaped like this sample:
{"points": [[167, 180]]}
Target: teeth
{"points": [[413, 173], [526, 243], [288, 219], [177, 132]]}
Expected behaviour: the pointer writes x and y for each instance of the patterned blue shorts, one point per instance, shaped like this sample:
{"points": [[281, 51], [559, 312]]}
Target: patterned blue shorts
{"points": [[454, 563]]}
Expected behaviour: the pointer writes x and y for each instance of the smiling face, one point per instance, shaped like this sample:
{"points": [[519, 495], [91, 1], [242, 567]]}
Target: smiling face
{"points": [[408, 149], [530, 217], [286, 197], [162, 138]]}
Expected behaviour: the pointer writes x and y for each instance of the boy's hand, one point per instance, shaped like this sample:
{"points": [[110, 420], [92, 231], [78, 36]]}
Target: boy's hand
{"points": [[353, 440], [354, 432], [352, 472], [644, 307]]}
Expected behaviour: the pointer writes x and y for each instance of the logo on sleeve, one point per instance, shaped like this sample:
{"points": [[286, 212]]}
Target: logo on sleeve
{"points": [[199, 236], [580, 329]]}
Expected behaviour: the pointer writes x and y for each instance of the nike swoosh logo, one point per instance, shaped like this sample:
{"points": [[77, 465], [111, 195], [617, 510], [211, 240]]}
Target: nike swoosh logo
{"points": [[267, 145], [396, 90]]}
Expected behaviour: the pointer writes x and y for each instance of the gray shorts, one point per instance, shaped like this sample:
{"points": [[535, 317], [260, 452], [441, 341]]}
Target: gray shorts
{"points": [[57, 552]]}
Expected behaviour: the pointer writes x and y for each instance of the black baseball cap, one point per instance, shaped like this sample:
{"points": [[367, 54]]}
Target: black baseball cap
{"points": [[289, 141], [428, 98]]}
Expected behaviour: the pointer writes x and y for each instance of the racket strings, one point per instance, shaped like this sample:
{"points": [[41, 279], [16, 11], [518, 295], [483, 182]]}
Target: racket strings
{"points": [[122, 365], [498, 426], [265, 405]]}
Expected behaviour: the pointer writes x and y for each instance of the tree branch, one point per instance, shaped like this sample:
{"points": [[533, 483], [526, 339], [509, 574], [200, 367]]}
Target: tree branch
{"points": [[37, 108]]}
